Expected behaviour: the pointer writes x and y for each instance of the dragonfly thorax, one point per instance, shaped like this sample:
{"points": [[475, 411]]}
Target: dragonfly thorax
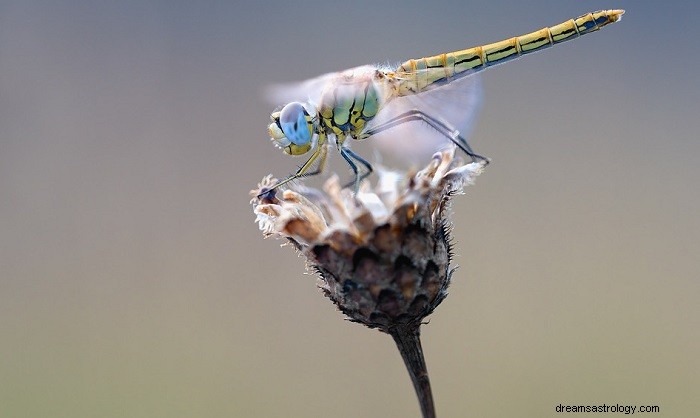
{"points": [[347, 105]]}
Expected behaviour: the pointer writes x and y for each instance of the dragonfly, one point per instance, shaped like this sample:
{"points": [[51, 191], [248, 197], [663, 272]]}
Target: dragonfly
{"points": [[366, 101]]}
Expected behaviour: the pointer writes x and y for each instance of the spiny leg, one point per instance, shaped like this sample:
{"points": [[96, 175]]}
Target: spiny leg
{"points": [[323, 153], [440, 126], [348, 154], [303, 171]]}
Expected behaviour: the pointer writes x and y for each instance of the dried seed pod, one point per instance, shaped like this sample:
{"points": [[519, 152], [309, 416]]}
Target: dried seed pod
{"points": [[384, 255]]}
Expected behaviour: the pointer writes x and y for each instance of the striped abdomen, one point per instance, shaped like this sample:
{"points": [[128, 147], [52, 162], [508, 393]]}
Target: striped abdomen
{"points": [[417, 75]]}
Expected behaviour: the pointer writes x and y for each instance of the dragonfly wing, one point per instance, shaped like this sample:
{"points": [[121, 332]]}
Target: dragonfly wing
{"points": [[310, 91], [457, 103]]}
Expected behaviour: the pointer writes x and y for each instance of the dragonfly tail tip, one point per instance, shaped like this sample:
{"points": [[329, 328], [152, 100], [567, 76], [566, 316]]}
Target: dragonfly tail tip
{"points": [[616, 15]]}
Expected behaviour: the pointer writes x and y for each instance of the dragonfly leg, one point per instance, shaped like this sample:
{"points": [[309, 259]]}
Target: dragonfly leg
{"points": [[349, 156], [442, 127], [322, 154], [303, 171]]}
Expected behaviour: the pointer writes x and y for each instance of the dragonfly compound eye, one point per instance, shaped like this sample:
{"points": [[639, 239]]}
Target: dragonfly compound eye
{"points": [[295, 124], [280, 139], [276, 133]]}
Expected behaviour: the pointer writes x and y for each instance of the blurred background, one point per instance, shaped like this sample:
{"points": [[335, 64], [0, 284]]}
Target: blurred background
{"points": [[134, 282]]}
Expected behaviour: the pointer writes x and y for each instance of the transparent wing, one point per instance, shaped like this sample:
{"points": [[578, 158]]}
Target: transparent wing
{"points": [[310, 91], [457, 103]]}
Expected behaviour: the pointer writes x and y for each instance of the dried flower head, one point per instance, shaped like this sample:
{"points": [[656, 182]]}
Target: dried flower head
{"points": [[383, 255]]}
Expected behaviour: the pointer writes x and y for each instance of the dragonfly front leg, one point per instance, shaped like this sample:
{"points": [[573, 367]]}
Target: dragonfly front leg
{"points": [[349, 156], [441, 126], [320, 154]]}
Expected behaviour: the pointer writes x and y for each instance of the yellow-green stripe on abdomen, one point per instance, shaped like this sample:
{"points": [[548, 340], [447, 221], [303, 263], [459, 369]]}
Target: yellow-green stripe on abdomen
{"points": [[424, 72]]}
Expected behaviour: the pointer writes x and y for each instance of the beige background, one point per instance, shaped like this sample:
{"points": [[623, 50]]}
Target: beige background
{"points": [[134, 283]]}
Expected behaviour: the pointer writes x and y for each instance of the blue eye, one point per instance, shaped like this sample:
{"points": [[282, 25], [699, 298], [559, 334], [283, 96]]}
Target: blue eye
{"points": [[294, 125]]}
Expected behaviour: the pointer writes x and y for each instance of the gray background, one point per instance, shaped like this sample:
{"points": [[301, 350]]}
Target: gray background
{"points": [[134, 283]]}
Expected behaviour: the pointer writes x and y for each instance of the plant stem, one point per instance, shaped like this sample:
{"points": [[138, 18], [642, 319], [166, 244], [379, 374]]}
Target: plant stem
{"points": [[408, 341]]}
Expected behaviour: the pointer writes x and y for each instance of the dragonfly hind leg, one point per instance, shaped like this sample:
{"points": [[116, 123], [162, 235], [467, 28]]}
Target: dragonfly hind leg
{"points": [[349, 156], [442, 127]]}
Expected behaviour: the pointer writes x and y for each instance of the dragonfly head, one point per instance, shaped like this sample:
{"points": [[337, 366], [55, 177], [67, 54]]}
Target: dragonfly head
{"points": [[292, 129]]}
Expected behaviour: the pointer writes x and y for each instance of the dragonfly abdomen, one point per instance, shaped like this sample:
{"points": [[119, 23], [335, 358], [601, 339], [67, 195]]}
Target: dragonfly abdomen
{"points": [[417, 75]]}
